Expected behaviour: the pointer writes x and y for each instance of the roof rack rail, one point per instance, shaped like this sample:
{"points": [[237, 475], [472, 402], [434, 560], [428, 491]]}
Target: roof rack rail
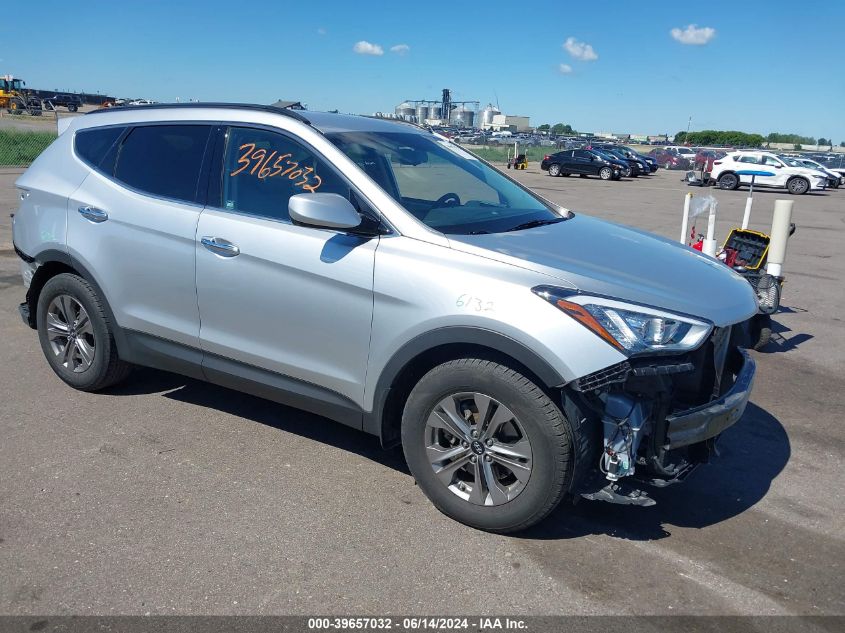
{"points": [[294, 114]]}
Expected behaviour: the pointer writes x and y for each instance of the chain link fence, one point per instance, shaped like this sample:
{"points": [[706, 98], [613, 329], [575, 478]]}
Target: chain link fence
{"points": [[23, 137], [18, 148]]}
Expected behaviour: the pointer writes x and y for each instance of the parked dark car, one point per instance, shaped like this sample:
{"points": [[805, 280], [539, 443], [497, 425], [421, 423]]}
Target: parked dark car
{"points": [[634, 166], [584, 163], [669, 158], [649, 160], [64, 100]]}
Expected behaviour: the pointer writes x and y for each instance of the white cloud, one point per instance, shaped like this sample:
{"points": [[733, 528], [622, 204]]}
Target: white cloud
{"points": [[365, 48], [321, 31], [400, 49], [693, 35], [580, 50], [565, 69]]}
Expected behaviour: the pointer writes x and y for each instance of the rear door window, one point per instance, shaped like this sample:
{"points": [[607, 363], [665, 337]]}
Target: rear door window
{"points": [[163, 160]]}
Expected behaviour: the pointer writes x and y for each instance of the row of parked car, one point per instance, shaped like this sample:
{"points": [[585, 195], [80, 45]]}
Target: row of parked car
{"points": [[607, 161]]}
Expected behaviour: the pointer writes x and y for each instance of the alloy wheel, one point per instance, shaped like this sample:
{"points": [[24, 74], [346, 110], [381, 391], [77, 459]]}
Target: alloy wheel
{"points": [[70, 333], [478, 449]]}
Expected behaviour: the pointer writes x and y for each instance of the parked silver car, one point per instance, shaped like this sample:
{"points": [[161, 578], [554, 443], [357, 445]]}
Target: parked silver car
{"points": [[385, 278]]}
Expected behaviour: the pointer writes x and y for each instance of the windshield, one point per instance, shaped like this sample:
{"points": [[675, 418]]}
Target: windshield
{"points": [[791, 161], [442, 185], [685, 150]]}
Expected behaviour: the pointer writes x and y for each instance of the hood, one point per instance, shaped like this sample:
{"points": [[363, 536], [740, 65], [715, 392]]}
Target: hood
{"points": [[609, 259]]}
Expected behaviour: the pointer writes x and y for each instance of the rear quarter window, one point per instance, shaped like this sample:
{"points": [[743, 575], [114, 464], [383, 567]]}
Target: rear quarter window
{"points": [[92, 146], [163, 160]]}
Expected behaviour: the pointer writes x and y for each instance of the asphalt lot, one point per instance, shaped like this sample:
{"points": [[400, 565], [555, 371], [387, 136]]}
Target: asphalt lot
{"points": [[167, 495]]}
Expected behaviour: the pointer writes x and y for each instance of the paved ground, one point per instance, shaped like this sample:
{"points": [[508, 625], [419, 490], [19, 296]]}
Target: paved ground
{"points": [[172, 496]]}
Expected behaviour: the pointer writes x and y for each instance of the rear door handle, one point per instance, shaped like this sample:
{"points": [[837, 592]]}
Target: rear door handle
{"points": [[219, 246], [93, 214]]}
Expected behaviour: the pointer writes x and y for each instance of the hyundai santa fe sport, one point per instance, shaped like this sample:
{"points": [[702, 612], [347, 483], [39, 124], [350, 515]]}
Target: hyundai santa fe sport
{"points": [[381, 276]]}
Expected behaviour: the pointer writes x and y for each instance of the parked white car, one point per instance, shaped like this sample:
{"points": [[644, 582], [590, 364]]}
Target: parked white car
{"points": [[141, 102], [796, 180], [834, 176]]}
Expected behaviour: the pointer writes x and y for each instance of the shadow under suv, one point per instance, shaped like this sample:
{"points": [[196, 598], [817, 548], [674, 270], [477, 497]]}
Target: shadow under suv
{"points": [[383, 277]]}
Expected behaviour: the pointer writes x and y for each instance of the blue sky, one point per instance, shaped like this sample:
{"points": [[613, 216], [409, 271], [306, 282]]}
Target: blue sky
{"points": [[766, 66]]}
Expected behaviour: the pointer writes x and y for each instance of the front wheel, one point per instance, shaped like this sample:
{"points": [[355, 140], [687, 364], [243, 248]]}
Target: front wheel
{"points": [[486, 445], [554, 170], [626, 172], [76, 336], [72, 108], [798, 186], [667, 165], [605, 173]]}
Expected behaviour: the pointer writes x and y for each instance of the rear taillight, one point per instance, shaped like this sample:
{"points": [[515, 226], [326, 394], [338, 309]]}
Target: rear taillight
{"points": [[546, 157]]}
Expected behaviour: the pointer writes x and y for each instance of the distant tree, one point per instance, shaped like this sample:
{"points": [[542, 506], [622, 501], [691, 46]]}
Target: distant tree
{"points": [[797, 147], [544, 127], [842, 144], [561, 128], [777, 137], [680, 138], [824, 141]]}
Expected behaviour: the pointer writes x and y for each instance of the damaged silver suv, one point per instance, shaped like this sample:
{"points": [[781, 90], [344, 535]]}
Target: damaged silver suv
{"points": [[383, 277]]}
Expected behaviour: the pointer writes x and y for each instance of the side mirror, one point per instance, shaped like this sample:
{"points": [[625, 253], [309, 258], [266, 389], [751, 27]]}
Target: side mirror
{"points": [[323, 210]]}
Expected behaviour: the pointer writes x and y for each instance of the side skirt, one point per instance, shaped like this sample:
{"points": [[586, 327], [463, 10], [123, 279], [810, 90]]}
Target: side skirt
{"points": [[151, 351]]}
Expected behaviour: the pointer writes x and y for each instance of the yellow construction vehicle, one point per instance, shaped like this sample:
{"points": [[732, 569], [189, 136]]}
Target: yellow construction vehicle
{"points": [[15, 98]]}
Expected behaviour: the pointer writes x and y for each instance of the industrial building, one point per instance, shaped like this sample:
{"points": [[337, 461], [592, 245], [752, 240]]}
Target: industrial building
{"points": [[462, 114]]}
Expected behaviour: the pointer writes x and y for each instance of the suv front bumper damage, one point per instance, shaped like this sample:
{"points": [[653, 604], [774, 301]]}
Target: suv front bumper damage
{"points": [[707, 421], [652, 421]]}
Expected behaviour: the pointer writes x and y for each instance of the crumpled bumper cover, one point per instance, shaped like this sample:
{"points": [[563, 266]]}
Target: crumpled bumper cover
{"points": [[702, 423]]}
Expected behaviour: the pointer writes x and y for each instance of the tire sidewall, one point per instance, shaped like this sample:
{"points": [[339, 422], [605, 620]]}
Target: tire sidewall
{"points": [[606, 173], [554, 170], [439, 384], [73, 286]]}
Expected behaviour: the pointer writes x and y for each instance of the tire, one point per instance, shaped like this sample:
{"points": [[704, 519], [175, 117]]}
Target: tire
{"points": [[728, 181], [667, 165], [626, 172], [529, 423], [583, 175], [72, 108], [554, 169], [760, 330], [87, 360], [565, 174], [605, 173], [798, 186]]}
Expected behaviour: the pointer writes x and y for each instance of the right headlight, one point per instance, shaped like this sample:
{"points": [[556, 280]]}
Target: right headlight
{"points": [[632, 329]]}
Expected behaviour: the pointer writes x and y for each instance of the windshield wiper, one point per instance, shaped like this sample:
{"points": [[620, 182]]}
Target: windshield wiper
{"points": [[534, 223]]}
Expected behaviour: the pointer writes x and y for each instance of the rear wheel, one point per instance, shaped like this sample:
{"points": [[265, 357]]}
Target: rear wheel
{"points": [[554, 169], [728, 181], [487, 445], [605, 173], [797, 185], [667, 165], [76, 336], [72, 108]]}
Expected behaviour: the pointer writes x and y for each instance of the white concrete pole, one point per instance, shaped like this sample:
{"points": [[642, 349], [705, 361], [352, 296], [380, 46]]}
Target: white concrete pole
{"points": [[709, 246], [685, 221], [780, 234]]}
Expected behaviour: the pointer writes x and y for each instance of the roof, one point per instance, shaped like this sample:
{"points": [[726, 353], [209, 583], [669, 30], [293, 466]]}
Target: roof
{"points": [[326, 122]]}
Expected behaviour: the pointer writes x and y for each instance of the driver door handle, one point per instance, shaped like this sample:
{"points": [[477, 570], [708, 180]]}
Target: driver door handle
{"points": [[219, 246]]}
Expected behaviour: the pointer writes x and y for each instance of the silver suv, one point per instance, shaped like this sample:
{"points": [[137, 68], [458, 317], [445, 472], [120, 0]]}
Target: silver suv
{"points": [[383, 277]]}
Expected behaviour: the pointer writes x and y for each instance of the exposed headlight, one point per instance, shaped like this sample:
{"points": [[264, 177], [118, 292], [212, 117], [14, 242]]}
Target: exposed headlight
{"points": [[631, 329]]}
